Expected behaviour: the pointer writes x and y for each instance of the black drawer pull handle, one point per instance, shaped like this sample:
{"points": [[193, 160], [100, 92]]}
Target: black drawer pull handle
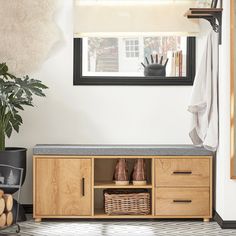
{"points": [[182, 201], [83, 183], [182, 172]]}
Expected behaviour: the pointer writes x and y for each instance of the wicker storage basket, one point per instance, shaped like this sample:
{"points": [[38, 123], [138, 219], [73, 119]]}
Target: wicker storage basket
{"points": [[127, 202]]}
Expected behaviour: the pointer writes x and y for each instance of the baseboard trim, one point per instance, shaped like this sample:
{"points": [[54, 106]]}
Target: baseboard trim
{"points": [[28, 208], [224, 224]]}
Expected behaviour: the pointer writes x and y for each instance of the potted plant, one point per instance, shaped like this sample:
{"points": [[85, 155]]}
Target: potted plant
{"points": [[15, 94]]}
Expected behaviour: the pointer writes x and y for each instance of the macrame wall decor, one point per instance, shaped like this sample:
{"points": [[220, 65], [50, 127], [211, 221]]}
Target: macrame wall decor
{"points": [[27, 33]]}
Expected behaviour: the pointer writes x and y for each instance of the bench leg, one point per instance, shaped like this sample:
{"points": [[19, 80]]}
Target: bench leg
{"points": [[206, 220], [38, 220]]}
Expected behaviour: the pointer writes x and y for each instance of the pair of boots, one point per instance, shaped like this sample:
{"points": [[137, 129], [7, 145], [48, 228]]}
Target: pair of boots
{"points": [[138, 175]]}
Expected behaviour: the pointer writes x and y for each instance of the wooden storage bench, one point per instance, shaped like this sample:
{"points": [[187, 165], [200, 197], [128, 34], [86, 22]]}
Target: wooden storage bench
{"points": [[69, 180]]}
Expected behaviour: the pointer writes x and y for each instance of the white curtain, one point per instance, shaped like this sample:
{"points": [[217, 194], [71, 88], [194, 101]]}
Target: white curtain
{"points": [[122, 17]]}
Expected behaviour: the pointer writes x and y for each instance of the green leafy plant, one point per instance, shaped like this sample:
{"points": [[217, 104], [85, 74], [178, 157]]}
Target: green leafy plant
{"points": [[15, 93]]}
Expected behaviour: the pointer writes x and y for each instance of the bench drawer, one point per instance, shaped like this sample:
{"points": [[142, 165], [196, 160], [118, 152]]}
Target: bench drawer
{"points": [[182, 172], [182, 201]]}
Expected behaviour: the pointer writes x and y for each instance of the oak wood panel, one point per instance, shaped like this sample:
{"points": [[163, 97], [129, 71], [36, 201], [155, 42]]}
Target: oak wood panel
{"points": [[182, 172], [93, 186], [104, 184], [211, 186], [182, 202], [105, 216], [153, 186], [58, 186], [116, 157]]}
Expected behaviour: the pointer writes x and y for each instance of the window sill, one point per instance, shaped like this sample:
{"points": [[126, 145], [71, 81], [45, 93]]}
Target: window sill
{"points": [[133, 81]]}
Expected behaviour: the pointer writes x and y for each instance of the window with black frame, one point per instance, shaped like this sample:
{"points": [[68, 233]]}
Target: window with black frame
{"points": [[141, 60]]}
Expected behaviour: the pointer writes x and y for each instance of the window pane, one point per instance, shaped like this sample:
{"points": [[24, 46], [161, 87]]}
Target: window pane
{"points": [[123, 56]]}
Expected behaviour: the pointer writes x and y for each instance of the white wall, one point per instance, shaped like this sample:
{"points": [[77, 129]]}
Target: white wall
{"points": [[121, 114], [98, 114], [225, 187]]}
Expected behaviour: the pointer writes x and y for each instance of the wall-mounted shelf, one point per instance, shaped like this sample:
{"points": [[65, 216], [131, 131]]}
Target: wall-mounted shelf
{"points": [[213, 15]]}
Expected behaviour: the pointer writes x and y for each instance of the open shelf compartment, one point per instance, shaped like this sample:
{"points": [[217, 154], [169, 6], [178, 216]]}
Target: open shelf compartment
{"points": [[103, 179], [104, 172], [99, 208]]}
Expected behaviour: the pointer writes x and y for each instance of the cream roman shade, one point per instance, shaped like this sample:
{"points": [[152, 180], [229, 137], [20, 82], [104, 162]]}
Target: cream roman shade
{"points": [[127, 17]]}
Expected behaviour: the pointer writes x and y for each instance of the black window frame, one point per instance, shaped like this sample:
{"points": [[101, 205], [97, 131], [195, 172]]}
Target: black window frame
{"points": [[79, 79]]}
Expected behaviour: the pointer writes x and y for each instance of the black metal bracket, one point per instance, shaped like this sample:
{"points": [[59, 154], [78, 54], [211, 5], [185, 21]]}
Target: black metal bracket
{"points": [[216, 22], [212, 15]]}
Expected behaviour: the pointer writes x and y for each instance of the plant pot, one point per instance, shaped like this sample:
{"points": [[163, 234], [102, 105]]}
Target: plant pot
{"points": [[14, 157]]}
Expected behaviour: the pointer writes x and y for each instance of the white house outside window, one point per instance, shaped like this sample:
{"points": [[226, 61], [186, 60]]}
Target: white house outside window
{"points": [[132, 47]]}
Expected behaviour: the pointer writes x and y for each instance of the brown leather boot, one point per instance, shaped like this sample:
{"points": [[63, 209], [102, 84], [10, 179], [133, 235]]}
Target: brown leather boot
{"points": [[139, 173], [121, 172]]}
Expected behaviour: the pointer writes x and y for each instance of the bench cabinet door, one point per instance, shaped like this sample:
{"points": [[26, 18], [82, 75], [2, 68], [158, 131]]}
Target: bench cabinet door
{"points": [[62, 187]]}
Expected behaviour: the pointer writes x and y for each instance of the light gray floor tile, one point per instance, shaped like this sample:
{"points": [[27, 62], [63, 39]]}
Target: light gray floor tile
{"points": [[120, 228]]}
